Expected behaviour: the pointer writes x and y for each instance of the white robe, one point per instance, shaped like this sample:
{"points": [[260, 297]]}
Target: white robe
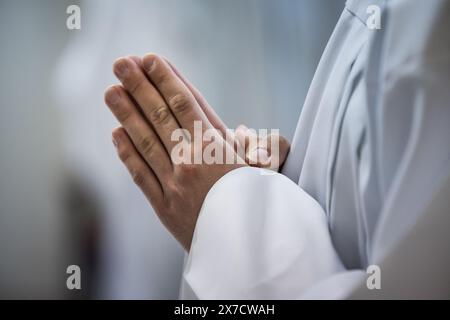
{"points": [[367, 180]]}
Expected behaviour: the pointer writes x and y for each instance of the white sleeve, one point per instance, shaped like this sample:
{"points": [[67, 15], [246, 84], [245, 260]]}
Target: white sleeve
{"points": [[259, 236]]}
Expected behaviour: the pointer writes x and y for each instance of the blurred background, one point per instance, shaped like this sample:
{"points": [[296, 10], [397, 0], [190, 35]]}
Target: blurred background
{"points": [[65, 198]]}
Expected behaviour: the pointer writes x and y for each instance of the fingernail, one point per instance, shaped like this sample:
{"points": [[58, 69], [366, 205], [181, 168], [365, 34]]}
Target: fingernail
{"points": [[148, 63], [259, 155], [137, 60], [121, 68], [112, 96], [242, 128]]}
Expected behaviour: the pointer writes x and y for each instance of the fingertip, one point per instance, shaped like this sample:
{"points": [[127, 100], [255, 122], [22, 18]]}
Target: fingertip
{"points": [[242, 128], [112, 95], [122, 67], [149, 60], [116, 135], [117, 132], [118, 62], [136, 59], [259, 157]]}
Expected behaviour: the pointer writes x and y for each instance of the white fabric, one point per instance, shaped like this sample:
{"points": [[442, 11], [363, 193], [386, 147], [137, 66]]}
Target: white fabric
{"points": [[370, 162], [270, 238]]}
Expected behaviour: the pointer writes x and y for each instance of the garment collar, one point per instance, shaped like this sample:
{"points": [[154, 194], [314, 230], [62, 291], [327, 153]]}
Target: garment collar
{"points": [[359, 7]]}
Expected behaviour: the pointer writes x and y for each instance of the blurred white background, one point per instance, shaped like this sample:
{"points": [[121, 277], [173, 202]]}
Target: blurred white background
{"points": [[64, 197]]}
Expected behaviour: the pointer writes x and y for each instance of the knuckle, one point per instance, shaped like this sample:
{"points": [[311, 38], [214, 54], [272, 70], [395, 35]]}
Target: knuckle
{"points": [[123, 114], [124, 154], [136, 85], [146, 145], [186, 172], [138, 177], [172, 189], [159, 115], [284, 142], [180, 103], [276, 139]]}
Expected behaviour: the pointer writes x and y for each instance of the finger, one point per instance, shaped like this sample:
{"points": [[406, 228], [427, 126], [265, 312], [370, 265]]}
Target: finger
{"points": [[142, 135], [148, 98], [255, 148], [142, 175], [277, 144], [257, 153], [207, 109], [136, 59], [247, 142], [259, 157], [175, 93], [247, 138], [241, 136], [270, 152]]}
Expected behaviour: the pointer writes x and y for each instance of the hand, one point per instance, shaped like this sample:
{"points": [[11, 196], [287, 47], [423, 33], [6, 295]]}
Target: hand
{"points": [[151, 104]]}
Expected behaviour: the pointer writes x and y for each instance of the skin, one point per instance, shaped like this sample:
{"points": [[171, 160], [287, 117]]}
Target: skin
{"points": [[151, 101]]}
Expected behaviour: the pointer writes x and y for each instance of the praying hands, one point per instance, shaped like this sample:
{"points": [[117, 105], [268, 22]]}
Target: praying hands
{"points": [[153, 102]]}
